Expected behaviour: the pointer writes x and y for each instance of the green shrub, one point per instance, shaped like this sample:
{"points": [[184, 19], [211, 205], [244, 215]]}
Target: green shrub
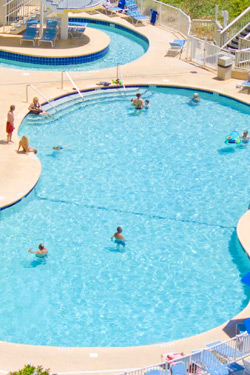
{"points": [[30, 370]]}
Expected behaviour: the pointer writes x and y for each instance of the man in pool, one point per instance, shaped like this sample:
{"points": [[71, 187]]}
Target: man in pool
{"points": [[138, 102], [119, 239], [245, 137], [41, 253]]}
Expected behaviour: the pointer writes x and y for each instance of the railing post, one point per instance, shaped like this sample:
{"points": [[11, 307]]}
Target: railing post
{"points": [[27, 96], [62, 79]]}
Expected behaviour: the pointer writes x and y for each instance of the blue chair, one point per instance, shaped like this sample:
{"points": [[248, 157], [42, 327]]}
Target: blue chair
{"points": [[50, 33], [210, 363], [176, 47], [245, 84], [133, 12], [30, 32], [178, 369], [76, 30]]}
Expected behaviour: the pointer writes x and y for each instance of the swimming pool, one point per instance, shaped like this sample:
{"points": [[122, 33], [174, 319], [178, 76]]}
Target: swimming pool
{"points": [[178, 191], [126, 45]]}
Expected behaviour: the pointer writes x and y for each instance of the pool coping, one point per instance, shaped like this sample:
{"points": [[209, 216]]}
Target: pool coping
{"points": [[111, 359]]}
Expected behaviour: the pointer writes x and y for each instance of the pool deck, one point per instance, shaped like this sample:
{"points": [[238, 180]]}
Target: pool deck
{"points": [[20, 172]]}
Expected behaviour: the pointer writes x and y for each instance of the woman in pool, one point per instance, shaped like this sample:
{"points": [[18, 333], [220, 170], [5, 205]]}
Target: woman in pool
{"points": [[35, 107], [24, 144]]}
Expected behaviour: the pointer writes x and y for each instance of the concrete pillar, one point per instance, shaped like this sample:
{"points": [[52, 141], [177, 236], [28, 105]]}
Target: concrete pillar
{"points": [[64, 26], [2, 12], [41, 18]]}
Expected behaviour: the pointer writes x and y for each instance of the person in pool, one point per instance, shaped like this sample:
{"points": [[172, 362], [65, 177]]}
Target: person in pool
{"points": [[138, 102], [41, 253], [195, 99], [245, 137], [147, 105], [119, 239]]}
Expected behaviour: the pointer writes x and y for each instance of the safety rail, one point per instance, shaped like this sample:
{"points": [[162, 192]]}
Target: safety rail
{"points": [[207, 29], [19, 11], [242, 58], [73, 83], [222, 353], [244, 43], [204, 53], [235, 27], [169, 15], [39, 92], [119, 74]]}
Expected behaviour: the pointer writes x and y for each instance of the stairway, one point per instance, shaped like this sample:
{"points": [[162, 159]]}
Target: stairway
{"points": [[233, 45]]}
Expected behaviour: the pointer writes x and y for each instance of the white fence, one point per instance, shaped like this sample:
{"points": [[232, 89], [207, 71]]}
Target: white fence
{"points": [[222, 354], [204, 53], [242, 59], [169, 15]]}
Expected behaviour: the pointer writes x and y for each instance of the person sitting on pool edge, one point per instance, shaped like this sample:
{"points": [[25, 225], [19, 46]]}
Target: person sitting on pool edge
{"points": [[41, 253], [119, 239], [24, 143], [245, 137], [138, 102], [35, 108]]}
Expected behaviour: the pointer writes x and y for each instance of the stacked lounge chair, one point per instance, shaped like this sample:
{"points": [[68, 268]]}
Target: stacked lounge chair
{"points": [[133, 12]]}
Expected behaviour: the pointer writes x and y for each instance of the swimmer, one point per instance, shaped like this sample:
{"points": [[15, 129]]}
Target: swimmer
{"points": [[147, 105], [36, 109], [119, 239], [138, 102], [58, 147], [195, 99], [24, 143], [41, 253], [245, 137]]}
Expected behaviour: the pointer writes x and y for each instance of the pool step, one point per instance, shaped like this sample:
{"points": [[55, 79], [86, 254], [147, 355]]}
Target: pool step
{"points": [[68, 104]]}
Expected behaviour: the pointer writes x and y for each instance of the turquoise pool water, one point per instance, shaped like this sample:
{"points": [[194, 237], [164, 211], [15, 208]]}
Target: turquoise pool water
{"points": [[124, 48], [178, 191]]}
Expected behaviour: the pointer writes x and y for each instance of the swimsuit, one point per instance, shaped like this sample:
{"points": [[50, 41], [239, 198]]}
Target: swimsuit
{"points": [[120, 242], [9, 128]]}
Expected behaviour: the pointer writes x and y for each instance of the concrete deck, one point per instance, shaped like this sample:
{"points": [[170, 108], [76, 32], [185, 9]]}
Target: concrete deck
{"points": [[152, 68], [93, 40]]}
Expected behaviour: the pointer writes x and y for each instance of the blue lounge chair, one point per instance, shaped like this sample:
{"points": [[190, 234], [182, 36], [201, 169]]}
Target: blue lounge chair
{"points": [[225, 350], [30, 32], [50, 33], [76, 30], [210, 363], [133, 11], [178, 369], [245, 84], [176, 47]]}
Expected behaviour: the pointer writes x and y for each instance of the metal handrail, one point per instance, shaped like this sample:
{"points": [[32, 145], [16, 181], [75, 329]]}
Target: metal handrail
{"points": [[39, 92], [119, 73], [73, 83]]}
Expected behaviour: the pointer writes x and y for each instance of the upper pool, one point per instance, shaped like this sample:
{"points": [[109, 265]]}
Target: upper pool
{"points": [[126, 45], [178, 191]]}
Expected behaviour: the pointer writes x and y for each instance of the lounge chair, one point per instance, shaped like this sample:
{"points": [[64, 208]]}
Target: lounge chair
{"points": [[156, 372], [245, 84], [176, 47], [133, 12], [50, 33], [178, 369], [120, 7], [225, 350], [207, 361], [30, 32], [76, 30]]}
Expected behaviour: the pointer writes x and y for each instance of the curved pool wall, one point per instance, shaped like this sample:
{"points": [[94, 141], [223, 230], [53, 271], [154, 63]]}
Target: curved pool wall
{"points": [[47, 62], [206, 93]]}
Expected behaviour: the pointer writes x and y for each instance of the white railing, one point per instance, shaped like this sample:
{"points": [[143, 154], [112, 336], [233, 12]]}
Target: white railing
{"points": [[16, 10], [223, 353], [242, 58], [169, 15], [204, 53], [39, 92], [73, 83], [244, 43], [235, 27], [209, 29]]}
